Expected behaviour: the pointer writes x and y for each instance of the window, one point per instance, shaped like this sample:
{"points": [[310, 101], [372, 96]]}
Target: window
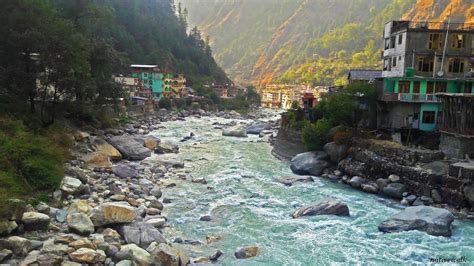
{"points": [[458, 41], [387, 65], [440, 86], [456, 65], [435, 41], [394, 62], [468, 87], [416, 87], [392, 42], [425, 64], [429, 117], [400, 39], [387, 44], [430, 87], [404, 87]]}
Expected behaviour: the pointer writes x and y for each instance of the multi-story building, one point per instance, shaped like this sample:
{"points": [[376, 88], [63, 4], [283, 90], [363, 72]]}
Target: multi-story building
{"points": [[150, 77], [283, 95], [129, 84], [174, 84], [421, 59]]}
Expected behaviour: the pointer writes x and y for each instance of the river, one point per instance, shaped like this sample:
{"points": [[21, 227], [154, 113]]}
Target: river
{"points": [[248, 208]]}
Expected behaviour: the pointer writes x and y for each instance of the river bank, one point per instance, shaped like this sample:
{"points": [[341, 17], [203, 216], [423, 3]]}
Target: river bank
{"points": [[207, 197]]}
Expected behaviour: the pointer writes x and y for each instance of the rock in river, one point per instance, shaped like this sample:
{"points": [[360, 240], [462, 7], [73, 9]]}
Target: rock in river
{"points": [[395, 190], [291, 180], [258, 127], [434, 221], [336, 152], [246, 252], [237, 131], [129, 147], [309, 163], [324, 207], [166, 147]]}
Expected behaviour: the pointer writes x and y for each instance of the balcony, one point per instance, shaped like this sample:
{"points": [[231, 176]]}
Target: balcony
{"points": [[410, 97]]}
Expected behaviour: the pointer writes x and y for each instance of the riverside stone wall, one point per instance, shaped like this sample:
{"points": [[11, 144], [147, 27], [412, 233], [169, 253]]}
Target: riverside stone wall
{"points": [[288, 143], [423, 172]]}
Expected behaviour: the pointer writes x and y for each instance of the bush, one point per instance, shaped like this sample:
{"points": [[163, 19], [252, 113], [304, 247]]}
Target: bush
{"points": [[315, 134], [164, 103], [28, 163]]}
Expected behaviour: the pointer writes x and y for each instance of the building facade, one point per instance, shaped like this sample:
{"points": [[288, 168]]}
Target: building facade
{"points": [[283, 95], [150, 77], [421, 59], [174, 84]]}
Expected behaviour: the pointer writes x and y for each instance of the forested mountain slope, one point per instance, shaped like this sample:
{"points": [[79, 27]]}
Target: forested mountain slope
{"points": [[313, 41]]}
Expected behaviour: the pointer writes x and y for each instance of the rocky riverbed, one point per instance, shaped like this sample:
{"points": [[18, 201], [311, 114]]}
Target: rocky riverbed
{"points": [[204, 188]]}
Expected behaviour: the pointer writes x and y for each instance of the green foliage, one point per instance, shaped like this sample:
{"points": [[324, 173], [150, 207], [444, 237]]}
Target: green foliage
{"points": [[296, 118], [315, 134], [164, 103], [28, 162], [252, 96]]}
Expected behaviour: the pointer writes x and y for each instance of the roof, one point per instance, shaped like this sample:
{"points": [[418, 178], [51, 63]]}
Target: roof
{"points": [[144, 66], [364, 74]]}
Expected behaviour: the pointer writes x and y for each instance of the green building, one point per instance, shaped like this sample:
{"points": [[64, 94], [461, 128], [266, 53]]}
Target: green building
{"points": [[422, 59], [150, 78]]}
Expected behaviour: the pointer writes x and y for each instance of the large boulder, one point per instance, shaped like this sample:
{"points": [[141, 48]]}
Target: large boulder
{"points": [[87, 255], [336, 152], [18, 245], [112, 213], [124, 171], [166, 147], [129, 147], [246, 252], [150, 143], [434, 221], [35, 221], [236, 131], [165, 254], [80, 223], [323, 207], [98, 160], [469, 194], [258, 127], [71, 185], [103, 147], [395, 190], [138, 255], [357, 181], [141, 234], [6, 227], [291, 180], [309, 163]]}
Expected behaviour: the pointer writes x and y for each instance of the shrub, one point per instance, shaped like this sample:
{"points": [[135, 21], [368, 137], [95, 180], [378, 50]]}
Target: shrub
{"points": [[28, 163], [315, 134], [164, 103], [342, 137]]}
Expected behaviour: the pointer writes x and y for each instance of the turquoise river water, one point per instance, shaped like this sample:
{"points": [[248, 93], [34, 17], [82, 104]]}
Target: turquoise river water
{"points": [[248, 208]]}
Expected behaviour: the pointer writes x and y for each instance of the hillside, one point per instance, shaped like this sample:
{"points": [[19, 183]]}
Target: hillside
{"points": [[312, 41]]}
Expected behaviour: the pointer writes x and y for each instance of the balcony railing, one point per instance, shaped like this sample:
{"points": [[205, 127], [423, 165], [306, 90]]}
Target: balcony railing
{"points": [[409, 97]]}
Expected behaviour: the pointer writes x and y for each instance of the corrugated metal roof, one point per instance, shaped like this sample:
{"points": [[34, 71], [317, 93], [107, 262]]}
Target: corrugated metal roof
{"points": [[364, 74]]}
